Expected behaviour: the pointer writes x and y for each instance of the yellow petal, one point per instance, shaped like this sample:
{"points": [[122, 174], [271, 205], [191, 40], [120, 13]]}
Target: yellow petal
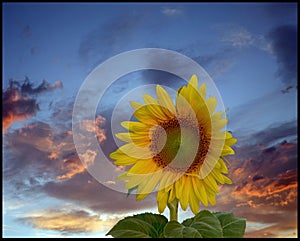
{"points": [[135, 151], [227, 151], [135, 126], [140, 197], [172, 193], [135, 105], [168, 180], [218, 115], [211, 182], [141, 140], [165, 100], [227, 180], [212, 199], [193, 200], [202, 90], [143, 167], [194, 98], [133, 181], [178, 189], [202, 192], [223, 168], [218, 176], [193, 81], [154, 107], [149, 183], [145, 116], [211, 103], [183, 107], [125, 161], [203, 114], [185, 193], [162, 198], [228, 135], [231, 141], [219, 124]]}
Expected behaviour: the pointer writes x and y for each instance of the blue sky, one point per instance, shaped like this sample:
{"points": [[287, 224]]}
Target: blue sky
{"points": [[249, 50]]}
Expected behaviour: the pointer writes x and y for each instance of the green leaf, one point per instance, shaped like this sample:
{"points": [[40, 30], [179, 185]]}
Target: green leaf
{"points": [[207, 224], [146, 225], [173, 229], [233, 227], [188, 221], [131, 190]]}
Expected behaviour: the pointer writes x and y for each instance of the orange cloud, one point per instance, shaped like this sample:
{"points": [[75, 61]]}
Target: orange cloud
{"points": [[17, 105], [74, 165], [71, 167], [70, 222], [95, 126], [267, 187]]}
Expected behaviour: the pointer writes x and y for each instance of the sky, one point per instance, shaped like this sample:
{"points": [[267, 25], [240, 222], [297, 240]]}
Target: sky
{"points": [[49, 49]]}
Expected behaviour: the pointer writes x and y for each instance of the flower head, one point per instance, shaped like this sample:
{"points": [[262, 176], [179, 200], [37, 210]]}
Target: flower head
{"points": [[177, 149]]}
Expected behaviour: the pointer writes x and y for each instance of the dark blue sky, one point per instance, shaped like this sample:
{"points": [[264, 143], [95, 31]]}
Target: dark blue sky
{"points": [[249, 50]]}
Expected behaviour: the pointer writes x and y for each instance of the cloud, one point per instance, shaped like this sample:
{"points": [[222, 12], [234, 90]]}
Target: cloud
{"points": [[71, 166], [259, 111], [72, 222], [280, 42], [218, 63], [94, 126], [42, 159], [41, 162], [285, 48], [238, 37], [264, 174], [115, 34], [94, 195], [17, 103], [215, 64], [267, 188], [16, 107], [27, 87], [171, 11], [26, 31]]}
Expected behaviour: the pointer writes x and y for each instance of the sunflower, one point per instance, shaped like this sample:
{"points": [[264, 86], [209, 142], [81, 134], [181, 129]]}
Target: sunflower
{"points": [[176, 149]]}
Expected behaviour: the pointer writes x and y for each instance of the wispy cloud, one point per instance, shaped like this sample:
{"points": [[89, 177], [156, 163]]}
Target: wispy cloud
{"points": [[239, 37], [172, 11], [281, 42], [68, 223], [115, 34]]}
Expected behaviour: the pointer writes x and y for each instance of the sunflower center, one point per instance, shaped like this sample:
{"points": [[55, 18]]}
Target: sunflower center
{"points": [[176, 153]]}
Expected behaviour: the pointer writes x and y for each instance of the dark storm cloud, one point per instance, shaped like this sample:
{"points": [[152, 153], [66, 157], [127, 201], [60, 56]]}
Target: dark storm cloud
{"points": [[284, 44], [18, 103]]}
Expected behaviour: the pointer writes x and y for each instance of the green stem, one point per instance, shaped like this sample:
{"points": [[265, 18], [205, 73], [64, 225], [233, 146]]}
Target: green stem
{"points": [[173, 206]]}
